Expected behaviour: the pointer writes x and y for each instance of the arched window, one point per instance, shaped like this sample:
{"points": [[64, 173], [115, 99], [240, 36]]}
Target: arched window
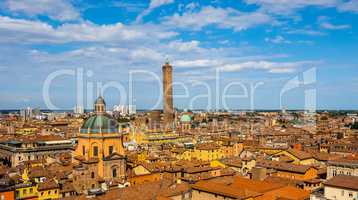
{"points": [[95, 151], [83, 150], [114, 172], [92, 174]]}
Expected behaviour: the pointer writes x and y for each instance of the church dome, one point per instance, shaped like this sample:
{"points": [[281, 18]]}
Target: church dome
{"points": [[99, 124], [185, 118]]}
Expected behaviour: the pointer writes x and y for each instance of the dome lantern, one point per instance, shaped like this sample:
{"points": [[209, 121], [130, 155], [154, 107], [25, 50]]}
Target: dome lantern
{"points": [[99, 105]]}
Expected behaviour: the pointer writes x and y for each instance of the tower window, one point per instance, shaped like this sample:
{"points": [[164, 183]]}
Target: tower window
{"points": [[83, 150], [110, 149], [114, 172], [95, 151]]}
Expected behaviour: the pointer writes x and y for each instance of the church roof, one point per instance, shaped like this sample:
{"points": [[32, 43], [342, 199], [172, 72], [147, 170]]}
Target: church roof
{"points": [[100, 124]]}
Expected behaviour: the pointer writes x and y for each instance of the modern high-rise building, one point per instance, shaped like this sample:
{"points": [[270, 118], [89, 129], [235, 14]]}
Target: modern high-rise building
{"points": [[168, 96], [26, 114], [125, 109], [78, 110]]}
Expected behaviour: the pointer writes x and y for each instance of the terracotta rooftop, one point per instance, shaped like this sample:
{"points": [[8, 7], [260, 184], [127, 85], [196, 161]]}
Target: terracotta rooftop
{"points": [[147, 191], [253, 185], [343, 181], [302, 155], [47, 185], [224, 190], [281, 166], [287, 193]]}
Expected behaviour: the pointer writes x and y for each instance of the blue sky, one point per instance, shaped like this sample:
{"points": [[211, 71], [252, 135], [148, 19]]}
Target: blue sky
{"points": [[251, 42]]}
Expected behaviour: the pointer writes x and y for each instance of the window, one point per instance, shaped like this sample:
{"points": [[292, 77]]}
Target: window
{"points": [[114, 172], [110, 150], [31, 190], [342, 193], [83, 150], [95, 151], [92, 174], [350, 194], [24, 191], [49, 192]]}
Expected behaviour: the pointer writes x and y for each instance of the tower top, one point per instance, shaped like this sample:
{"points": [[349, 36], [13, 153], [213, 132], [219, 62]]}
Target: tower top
{"points": [[99, 105], [167, 64]]}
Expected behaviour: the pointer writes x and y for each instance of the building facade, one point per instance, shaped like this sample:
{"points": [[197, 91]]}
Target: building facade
{"points": [[100, 147]]}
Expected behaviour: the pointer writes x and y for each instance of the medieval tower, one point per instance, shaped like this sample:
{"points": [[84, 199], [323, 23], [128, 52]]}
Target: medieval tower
{"points": [[168, 96]]}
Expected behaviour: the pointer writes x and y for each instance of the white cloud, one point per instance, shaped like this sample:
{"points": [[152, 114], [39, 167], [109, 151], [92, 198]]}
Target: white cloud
{"points": [[330, 26], [278, 40], [27, 31], [288, 7], [153, 5], [281, 40], [197, 63], [220, 17], [58, 10], [145, 54], [283, 7], [305, 32], [323, 21], [271, 67], [184, 46], [349, 6], [192, 6]]}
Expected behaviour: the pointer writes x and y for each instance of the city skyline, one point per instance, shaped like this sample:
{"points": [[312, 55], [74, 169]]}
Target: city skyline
{"points": [[247, 42]]}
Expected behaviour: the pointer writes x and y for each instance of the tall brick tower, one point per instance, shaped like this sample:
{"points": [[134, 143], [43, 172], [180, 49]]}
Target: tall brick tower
{"points": [[168, 96]]}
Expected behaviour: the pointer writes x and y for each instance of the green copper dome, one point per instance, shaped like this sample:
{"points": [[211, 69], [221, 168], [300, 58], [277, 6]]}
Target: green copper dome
{"points": [[99, 124], [185, 118]]}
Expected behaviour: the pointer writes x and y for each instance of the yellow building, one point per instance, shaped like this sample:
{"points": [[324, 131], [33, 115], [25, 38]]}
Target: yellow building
{"points": [[26, 130], [207, 152], [26, 191], [48, 190], [298, 157], [100, 142]]}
